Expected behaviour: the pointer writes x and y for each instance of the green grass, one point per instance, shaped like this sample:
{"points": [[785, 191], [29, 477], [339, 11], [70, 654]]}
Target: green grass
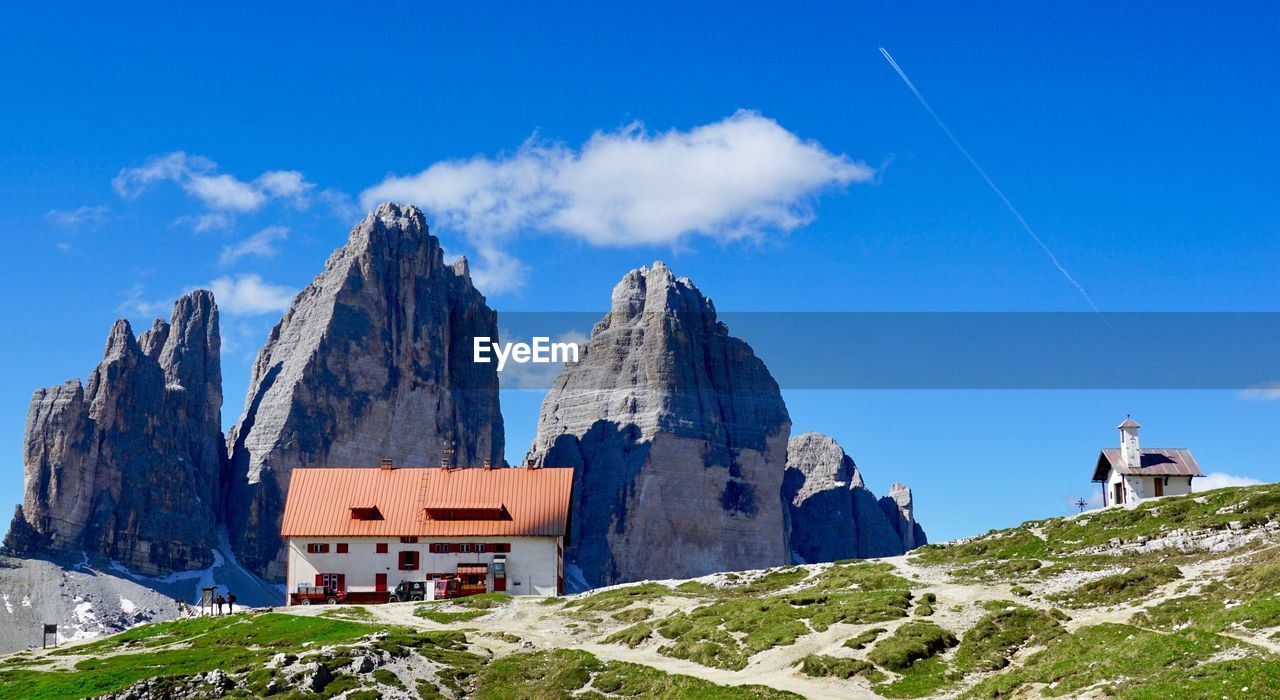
{"points": [[563, 672], [482, 601], [909, 643], [924, 677], [632, 636], [633, 615], [1014, 543], [1118, 588], [862, 640], [997, 571], [1247, 597], [1136, 663], [446, 617], [356, 613], [387, 677], [727, 633], [1251, 505], [618, 598], [180, 648], [996, 636], [821, 666]]}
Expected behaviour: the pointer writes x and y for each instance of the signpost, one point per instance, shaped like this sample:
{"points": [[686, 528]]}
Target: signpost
{"points": [[48, 630], [206, 600]]}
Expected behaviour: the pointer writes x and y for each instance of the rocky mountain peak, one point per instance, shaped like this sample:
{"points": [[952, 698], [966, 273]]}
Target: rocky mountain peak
{"points": [[899, 507], [678, 434], [833, 515], [126, 468], [372, 360]]}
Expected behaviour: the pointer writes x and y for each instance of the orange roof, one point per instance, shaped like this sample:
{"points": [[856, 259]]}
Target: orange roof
{"points": [[320, 501]]}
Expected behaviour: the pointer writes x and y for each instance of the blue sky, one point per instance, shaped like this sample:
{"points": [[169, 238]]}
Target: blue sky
{"points": [[1140, 145]]}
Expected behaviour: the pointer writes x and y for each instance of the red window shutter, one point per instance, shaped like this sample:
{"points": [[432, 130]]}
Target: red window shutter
{"points": [[382, 548], [319, 579], [342, 548], [342, 582]]}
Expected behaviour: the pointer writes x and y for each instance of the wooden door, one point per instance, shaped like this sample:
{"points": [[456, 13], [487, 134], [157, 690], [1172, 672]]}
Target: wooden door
{"points": [[1159, 485], [379, 582], [1119, 493]]}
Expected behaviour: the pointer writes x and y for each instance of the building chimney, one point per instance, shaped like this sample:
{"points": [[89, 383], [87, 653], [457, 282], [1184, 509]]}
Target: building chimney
{"points": [[1129, 452], [488, 463], [446, 457], [385, 465]]}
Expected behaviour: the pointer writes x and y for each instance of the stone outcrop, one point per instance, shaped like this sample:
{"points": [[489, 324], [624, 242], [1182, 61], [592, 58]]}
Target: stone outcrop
{"points": [[372, 360], [833, 514], [678, 436], [128, 466], [900, 510]]}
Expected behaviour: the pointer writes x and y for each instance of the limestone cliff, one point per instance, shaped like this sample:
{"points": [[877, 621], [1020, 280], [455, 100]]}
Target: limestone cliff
{"points": [[678, 435], [899, 507], [834, 515], [128, 466], [372, 360]]}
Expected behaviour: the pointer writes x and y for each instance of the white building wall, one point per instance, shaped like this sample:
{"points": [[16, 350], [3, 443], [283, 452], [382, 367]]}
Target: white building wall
{"points": [[533, 564], [1139, 487]]}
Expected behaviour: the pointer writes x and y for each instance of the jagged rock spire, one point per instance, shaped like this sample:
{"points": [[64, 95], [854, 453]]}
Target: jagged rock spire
{"points": [[372, 360], [127, 467], [678, 434]]}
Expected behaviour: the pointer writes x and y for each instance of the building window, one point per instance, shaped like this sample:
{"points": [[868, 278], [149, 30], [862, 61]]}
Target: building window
{"points": [[318, 548], [464, 548], [380, 548], [502, 547], [333, 582], [480, 548], [342, 548], [408, 540], [408, 561], [438, 548]]}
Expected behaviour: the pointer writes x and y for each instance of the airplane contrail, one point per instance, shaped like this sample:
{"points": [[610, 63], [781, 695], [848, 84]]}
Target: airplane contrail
{"points": [[1009, 205]]}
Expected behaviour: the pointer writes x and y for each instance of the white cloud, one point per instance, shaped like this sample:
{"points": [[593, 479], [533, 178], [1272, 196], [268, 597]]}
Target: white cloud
{"points": [[248, 295], [225, 192], [1269, 391], [136, 304], [261, 245], [741, 177], [79, 216], [203, 223], [1218, 480], [287, 184], [499, 272], [222, 194]]}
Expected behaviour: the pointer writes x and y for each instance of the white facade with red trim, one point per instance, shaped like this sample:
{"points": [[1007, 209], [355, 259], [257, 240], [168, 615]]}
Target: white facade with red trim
{"points": [[367, 565]]}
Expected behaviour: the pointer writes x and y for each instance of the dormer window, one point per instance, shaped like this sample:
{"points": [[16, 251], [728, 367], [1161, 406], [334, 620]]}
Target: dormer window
{"points": [[365, 513], [468, 511]]}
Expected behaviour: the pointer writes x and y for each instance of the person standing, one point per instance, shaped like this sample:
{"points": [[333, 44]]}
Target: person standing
{"points": [[218, 602], [231, 602]]}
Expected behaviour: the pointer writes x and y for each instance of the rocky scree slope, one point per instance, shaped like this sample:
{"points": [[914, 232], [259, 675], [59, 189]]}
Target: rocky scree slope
{"points": [[1173, 597]]}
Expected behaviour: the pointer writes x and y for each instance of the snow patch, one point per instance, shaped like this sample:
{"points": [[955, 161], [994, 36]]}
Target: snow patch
{"points": [[128, 606], [7, 605]]}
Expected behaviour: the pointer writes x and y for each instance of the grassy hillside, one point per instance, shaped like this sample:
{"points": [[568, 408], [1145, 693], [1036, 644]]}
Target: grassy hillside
{"points": [[1179, 595]]}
